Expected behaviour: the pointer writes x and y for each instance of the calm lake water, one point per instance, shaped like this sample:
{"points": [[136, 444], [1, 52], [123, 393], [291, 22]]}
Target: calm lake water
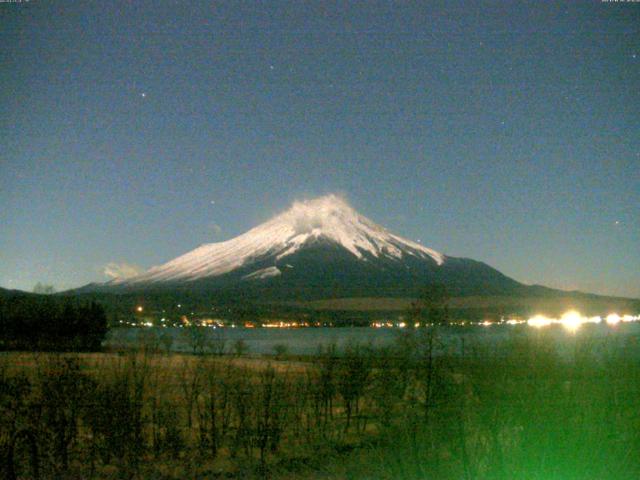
{"points": [[307, 341]]}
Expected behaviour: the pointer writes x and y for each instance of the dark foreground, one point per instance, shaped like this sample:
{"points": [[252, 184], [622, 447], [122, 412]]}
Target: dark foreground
{"points": [[516, 410]]}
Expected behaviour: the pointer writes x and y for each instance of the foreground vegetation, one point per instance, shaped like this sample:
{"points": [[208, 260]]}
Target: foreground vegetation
{"points": [[411, 411]]}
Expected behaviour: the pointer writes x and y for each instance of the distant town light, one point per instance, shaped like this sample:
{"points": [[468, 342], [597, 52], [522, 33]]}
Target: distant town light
{"points": [[571, 320], [139, 308], [539, 321]]}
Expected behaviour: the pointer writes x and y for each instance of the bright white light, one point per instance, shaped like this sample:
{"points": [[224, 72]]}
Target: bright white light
{"points": [[139, 308], [539, 321], [613, 318], [571, 320]]}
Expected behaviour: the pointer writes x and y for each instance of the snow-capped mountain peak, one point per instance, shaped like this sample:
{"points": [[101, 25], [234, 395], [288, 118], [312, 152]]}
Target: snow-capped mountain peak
{"points": [[333, 218], [328, 218]]}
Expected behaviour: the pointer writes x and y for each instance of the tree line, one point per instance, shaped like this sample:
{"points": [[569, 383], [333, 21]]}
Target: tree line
{"points": [[29, 322]]}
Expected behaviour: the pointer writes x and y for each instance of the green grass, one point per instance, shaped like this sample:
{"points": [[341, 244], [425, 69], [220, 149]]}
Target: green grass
{"points": [[522, 412]]}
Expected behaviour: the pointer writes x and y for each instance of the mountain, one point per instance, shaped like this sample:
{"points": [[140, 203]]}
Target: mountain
{"points": [[320, 248], [6, 293]]}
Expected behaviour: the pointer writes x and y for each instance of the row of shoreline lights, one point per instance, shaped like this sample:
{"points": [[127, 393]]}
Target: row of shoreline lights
{"points": [[572, 320]]}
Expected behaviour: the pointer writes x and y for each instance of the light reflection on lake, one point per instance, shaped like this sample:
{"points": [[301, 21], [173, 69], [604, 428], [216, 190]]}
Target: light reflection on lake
{"points": [[307, 341]]}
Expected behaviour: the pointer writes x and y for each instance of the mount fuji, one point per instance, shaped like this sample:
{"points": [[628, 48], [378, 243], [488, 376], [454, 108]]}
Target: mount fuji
{"points": [[320, 248]]}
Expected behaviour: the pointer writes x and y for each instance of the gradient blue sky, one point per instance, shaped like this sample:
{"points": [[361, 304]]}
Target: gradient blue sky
{"points": [[508, 132]]}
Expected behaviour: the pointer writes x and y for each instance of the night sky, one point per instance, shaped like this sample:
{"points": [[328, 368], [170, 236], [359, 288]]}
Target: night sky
{"points": [[508, 132]]}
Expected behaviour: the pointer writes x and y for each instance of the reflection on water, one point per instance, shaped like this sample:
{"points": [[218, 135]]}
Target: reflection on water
{"points": [[307, 341]]}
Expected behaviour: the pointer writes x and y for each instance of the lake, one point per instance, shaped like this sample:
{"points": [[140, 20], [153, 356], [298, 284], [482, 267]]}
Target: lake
{"points": [[307, 341]]}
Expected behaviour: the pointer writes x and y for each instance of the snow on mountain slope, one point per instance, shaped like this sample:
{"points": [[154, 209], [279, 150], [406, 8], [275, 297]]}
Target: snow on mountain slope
{"points": [[327, 218], [263, 273]]}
